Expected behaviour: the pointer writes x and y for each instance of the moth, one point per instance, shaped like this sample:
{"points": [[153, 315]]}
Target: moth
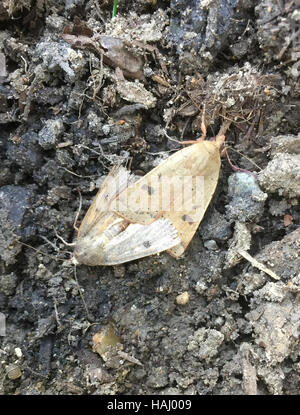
{"points": [[161, 211]]}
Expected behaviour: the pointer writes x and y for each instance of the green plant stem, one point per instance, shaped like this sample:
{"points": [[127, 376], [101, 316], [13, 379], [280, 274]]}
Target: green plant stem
{"points": [[114, 12]]}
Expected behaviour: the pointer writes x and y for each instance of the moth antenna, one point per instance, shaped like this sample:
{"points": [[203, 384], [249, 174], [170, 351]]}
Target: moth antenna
{"points": [[181, 142], [129, 163], [63, 260], [40, 252]]}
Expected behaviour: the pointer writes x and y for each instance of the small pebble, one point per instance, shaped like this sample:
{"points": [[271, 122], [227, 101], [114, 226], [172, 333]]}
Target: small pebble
{"points": [[119, 271], [183, 298], [211, 245], [13, 372], [18, 352]]}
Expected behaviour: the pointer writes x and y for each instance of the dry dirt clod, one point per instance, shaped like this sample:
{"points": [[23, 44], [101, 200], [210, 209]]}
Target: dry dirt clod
{"points": [[282, 175], [246, 198], [135, 92], [183, 298]]}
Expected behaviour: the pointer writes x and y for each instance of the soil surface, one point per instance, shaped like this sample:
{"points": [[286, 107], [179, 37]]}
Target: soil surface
{"points": [[81, 91]]}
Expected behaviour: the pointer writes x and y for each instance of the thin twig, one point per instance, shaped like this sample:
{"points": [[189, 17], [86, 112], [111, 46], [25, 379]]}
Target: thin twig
{"points": [[75, 174], [257, 264], [243, 155], [80, 292]]}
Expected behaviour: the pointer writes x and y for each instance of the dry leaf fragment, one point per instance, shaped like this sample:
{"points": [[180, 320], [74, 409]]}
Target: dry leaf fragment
{"points": [[114, 51], [105, 341], [288, 220]]}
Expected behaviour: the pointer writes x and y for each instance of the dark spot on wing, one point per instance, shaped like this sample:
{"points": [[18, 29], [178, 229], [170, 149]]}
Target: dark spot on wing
{"points": [[187, 218], [146, 244], [148, 189]]}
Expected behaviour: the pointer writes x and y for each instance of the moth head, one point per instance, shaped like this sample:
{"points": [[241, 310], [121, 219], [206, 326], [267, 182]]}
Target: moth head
{"points": [[88, 251], [90, 246], [74, 261]]}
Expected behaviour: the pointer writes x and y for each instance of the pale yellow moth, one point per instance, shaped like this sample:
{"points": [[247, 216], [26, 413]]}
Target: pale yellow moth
{"points": [[128, 220]]}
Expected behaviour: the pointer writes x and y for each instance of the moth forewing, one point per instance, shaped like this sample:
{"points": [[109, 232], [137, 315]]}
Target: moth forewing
{"points": [[209, 169], [169, 191]]}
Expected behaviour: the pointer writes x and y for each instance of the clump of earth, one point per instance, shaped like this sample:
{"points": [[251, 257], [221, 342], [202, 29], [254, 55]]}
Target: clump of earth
{"points": [[82, 91]]}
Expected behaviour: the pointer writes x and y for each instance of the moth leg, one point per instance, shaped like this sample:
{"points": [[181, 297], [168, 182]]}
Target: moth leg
{"points": [[204, 131], [188, 142], [203, 126], [220, 138], [234, 168]]}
